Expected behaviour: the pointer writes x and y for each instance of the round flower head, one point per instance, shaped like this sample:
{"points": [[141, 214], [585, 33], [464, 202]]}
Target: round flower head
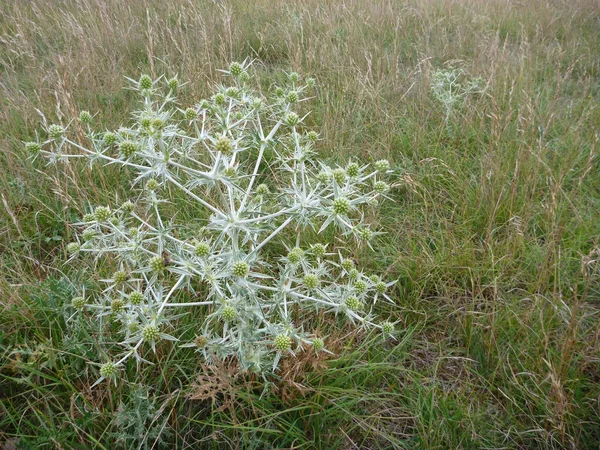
{"points": [[190, 114], [294, 77], [360, 286], [311, 281], [318, 344], [158, 123], [102, 213], [152, 184], [157, 264], [109, 138], [312, 136], [291, 119], [89, 217], [262, 189], [73, 248], [85, 117], [235, 69], [136, 298], [132, 327], [150, 333], [353, 303], [295, 255], [341, 205], [33, 147], [107, 370], [353, 274], [387, 327], [219, 98], [128, 148], [380, 287], [127, 207], [348, 264], [339, 175], [173, 84], [78, 303], [201, 341], [228, 313], [310, 82], [120, 277], [145, 82], [117, 305], [374, 279], [366, 233], [202, 250], [115, 221], [292, 97], [229, 172], [324, 177], [282, 342], [88, 234], [353, 169], [381, 187], [240, 269], [244, 76], [279, 92], [318, 250], [224, 145], [232, 92], [383, 165], [55, 131]]}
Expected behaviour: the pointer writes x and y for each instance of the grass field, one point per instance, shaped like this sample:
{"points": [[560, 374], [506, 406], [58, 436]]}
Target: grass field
{"points": [[493, 231]]}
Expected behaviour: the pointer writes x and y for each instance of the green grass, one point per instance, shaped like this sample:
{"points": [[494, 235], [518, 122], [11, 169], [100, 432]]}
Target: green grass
{"points": [[493, 231]]}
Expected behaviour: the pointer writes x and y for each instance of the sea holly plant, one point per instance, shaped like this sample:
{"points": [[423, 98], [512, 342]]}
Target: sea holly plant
{"points": [[277, 225]]}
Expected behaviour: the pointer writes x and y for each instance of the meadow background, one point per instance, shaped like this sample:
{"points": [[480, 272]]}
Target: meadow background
{"points": [[492, 232]]}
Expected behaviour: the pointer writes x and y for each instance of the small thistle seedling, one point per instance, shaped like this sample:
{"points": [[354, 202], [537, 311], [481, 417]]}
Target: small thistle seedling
{"points": [[450, 88], [215, 154]]}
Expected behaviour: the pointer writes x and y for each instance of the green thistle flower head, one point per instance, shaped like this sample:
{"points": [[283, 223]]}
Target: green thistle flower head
{"points": [[232, 92], [136, 298], [120, 277], [291, 119], [228, 313], [145, 82], [279, 92], [380, 287], [33, 148], [262, 189], [55, 131], [224, 145], [229, 172], [341, 205], [312, 136], [157, 264], [190, 114], [240, 269], [173, 84], [201, 341], [150, 333], [109, 138], [132, 327], [292, 97], [381, 187], [244, 76], [295, 255], [387, 327], [107, 370], [128, 148], [235, 69], [318, 344], [294, 77], [318, 250], [78, 303], [128, 207], [152, 184], [88, 234], [353, 169], [85, 117], [202, 250], [324, 177], [310, 82], [365, 233], [219, 98], [339, 175], [158, 123], [282, 342], [383, 165], [360, 286], [353, 303], [311, 281], [347, 264], [89, 217], [73, 248], [353, 274], [117, 305], [102, 213]]}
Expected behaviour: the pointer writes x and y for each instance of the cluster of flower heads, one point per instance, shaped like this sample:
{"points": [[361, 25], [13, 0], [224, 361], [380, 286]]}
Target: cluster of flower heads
{"points": [[245, 159]]}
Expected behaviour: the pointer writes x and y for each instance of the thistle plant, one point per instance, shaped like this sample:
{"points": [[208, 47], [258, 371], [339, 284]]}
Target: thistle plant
{"points": [[245, 160], [451, 88]]}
